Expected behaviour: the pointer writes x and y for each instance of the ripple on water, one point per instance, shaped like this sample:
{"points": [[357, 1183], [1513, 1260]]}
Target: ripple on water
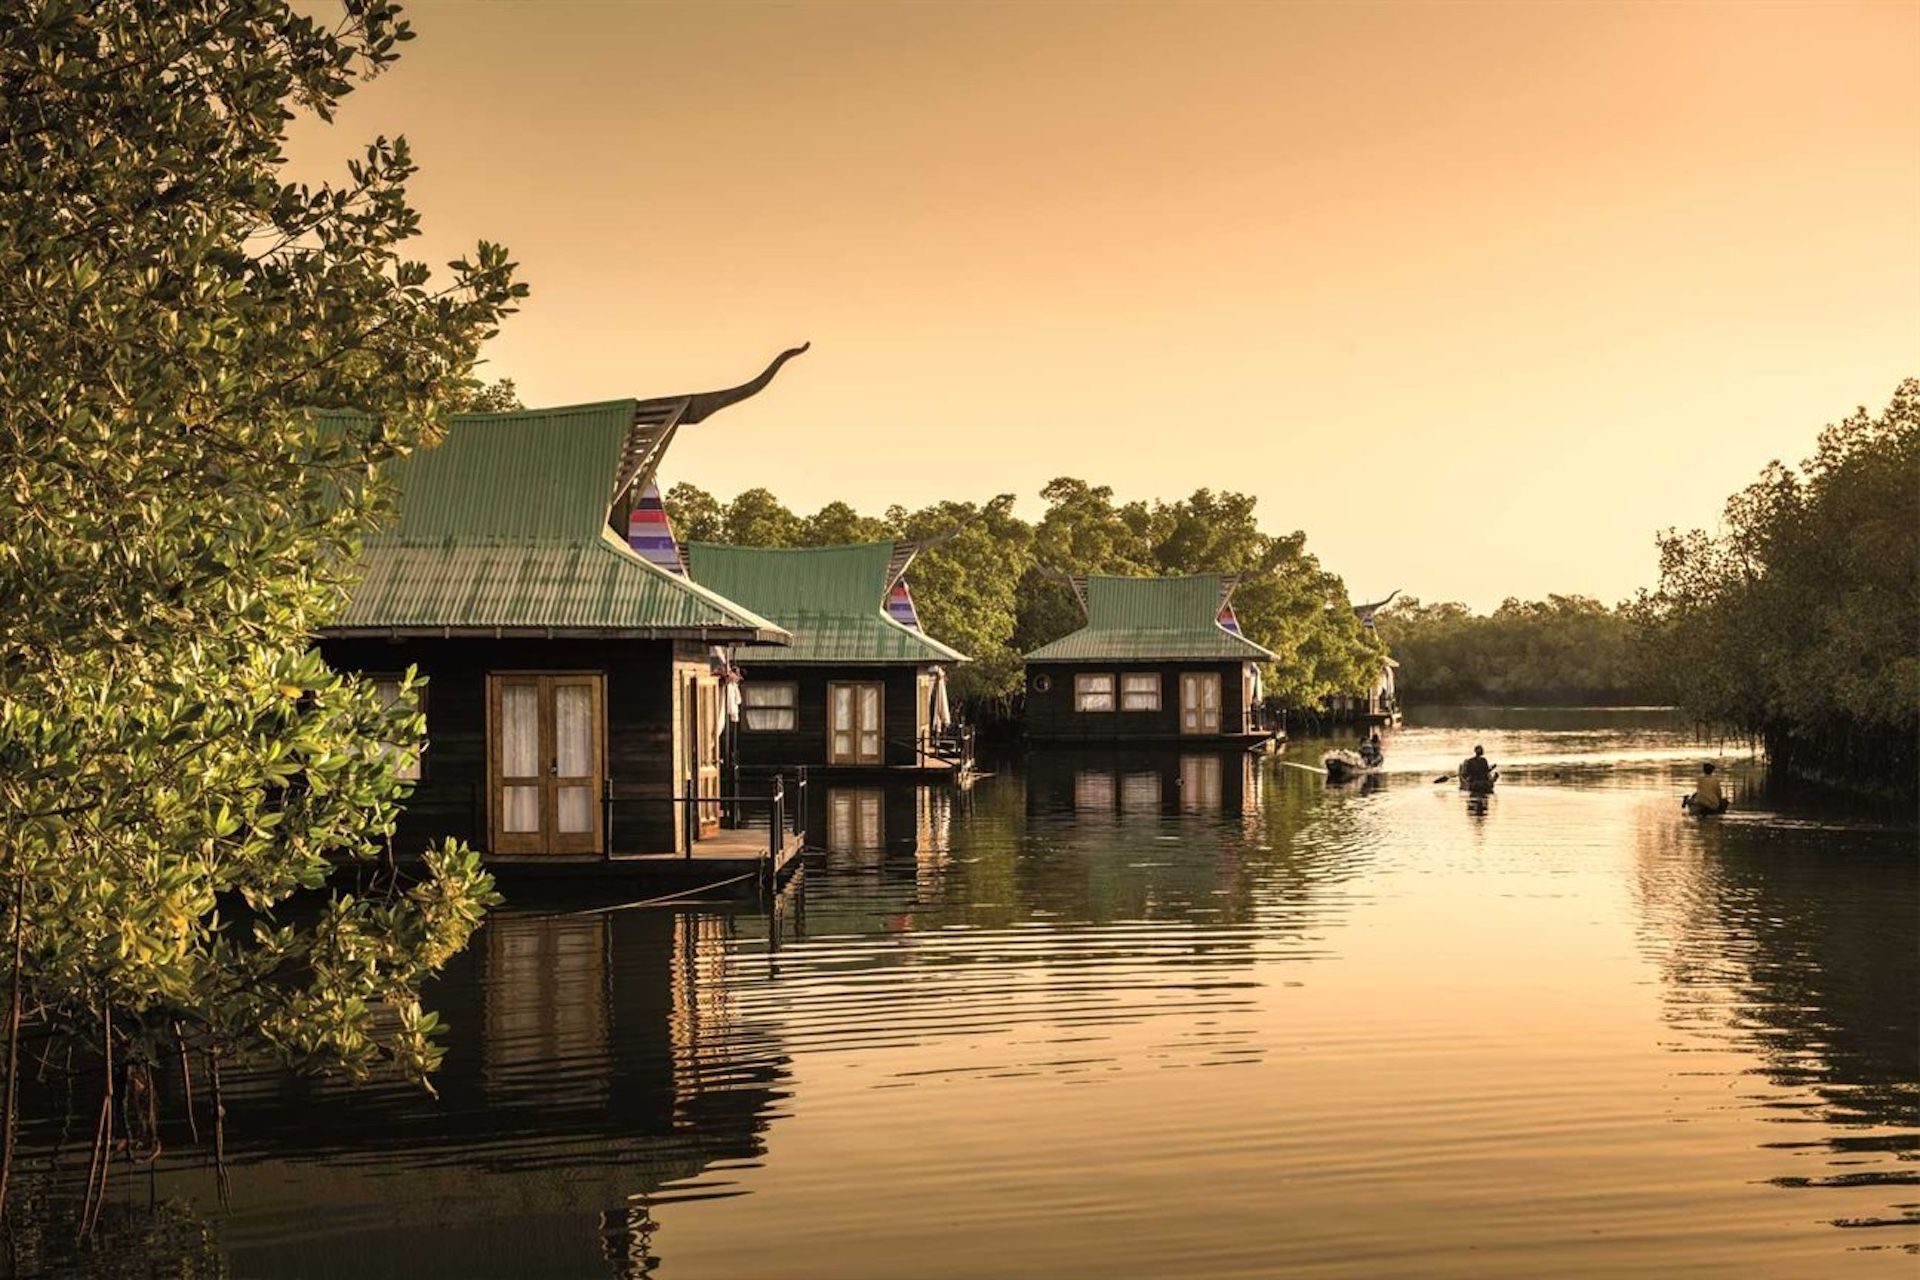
{"points": [[1097, 1018]]}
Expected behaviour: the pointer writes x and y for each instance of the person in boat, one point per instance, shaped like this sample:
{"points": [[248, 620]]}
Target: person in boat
{"points": [[1707, 796], [1370, 752], [1476, 770]]}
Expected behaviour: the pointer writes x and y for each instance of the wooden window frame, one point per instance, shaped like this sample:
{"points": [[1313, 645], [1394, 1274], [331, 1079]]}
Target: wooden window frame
{"points": [[791, 706], [1126, 694], [858, 757], [1080, 691], [548, 841]]}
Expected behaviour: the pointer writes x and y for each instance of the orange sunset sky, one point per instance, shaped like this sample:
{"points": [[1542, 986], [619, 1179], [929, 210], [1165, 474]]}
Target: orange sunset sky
{"points": [[1479, 296]]}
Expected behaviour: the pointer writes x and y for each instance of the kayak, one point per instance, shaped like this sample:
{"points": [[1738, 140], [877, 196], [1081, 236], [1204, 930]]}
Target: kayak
{"points": [[1343, 766], [1484, 787], [1705, 811]]}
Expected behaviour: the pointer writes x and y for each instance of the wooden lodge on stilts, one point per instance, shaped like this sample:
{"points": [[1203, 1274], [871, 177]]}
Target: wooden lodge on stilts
{"points": [[861, 689], [573, 702], [1380, 707], [1159, 660]]}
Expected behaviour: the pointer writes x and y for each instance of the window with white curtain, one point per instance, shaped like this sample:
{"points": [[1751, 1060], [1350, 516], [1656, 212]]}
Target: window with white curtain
{"points": [[767, 707]]}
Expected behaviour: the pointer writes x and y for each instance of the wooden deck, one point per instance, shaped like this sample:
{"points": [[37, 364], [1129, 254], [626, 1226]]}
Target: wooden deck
{"points": [[725, 855]]}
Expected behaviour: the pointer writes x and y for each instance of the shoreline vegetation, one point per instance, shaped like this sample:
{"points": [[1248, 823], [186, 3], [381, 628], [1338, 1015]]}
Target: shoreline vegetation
{"points": [[1798, 622], [1559, 652], [1796, 625]]}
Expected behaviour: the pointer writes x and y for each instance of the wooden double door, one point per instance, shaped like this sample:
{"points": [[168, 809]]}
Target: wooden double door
{"points": [[856, 722], [546, 761], [1200, 702]]}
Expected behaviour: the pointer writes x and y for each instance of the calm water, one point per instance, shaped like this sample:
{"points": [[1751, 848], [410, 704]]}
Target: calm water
{"points": [[1116, 1016]]}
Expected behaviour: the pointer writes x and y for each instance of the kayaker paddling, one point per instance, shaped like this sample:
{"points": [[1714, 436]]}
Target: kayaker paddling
{"points": [[1707, 796]]}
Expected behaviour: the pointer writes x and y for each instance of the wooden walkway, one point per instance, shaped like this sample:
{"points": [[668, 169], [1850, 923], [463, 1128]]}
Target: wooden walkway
{"points": [[739, 856]]}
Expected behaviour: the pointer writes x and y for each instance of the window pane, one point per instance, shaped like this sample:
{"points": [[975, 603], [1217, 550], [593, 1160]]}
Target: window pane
{"points": [[840, 715], [755, 694], [1093, 693], [519, 809], [869, 706], [574, 811], [764, 718], [573, 731], [520, 733], [1140, 692]]}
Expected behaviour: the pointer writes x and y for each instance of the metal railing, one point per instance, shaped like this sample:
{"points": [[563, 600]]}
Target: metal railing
{"points": [[780, 811]]}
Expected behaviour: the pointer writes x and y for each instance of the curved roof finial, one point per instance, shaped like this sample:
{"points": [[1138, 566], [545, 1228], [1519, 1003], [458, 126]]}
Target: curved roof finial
{"points": [[706, 403]]}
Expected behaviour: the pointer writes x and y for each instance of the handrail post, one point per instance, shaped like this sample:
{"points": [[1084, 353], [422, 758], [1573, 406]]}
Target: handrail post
{"points": [[690, 817], [776, 829]]}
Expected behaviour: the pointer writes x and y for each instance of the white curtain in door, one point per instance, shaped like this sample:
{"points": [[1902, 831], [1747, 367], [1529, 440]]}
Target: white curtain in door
{"points": [[520, 756], [840, 722], [869, 722]]}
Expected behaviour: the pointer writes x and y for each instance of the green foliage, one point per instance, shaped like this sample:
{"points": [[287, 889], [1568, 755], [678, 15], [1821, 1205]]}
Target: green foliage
{"points": [[992, 590], [498, 396], [1800, 621], [697, 515], [966, 586], [176, 763], [1564, 650]]}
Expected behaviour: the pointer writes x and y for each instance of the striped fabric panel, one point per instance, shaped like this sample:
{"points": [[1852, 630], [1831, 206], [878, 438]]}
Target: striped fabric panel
{"points": [[650, 533], [900, 605]]}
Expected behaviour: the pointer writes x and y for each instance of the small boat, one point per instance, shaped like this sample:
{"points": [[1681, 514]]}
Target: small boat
{"points": [[1344, 766], [1705, 810], [1484, 787]]}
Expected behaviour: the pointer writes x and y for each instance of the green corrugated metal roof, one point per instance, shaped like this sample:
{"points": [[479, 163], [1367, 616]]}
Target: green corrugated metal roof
{"points": [[830, 598], [502, 527], [1151, 620]]}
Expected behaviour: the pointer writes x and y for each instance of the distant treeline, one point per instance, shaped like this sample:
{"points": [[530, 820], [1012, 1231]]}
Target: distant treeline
{"points": [[1561, 651], [992, 590], [1799, 624]]}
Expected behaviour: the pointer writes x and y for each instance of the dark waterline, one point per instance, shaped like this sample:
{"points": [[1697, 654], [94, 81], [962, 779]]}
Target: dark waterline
{"points": [[1121, 1014]]}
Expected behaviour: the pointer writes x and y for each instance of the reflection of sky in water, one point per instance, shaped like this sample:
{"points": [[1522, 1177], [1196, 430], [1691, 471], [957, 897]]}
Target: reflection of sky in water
{"points": [[1121, 1015]]}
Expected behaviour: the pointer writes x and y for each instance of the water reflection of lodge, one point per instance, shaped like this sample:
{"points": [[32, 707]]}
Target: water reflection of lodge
{"points": [[593, 1061], [876, 820], [1140, 781]]}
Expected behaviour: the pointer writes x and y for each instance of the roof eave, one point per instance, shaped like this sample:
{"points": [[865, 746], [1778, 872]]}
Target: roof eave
{"points": [[522, 631]]}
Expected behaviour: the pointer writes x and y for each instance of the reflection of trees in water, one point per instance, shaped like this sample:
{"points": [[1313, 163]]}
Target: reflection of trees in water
{"points": [[596, 1064], [133, 1241], [1800, 944]]}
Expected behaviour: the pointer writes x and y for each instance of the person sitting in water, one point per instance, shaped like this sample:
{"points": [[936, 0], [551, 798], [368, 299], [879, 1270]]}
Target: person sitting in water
{"points": [[1476, 770], [1370, 753], [1707, 796]]}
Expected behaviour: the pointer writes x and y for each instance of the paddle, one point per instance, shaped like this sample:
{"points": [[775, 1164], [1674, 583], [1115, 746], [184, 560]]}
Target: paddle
{"points": [[1294, 764]]}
